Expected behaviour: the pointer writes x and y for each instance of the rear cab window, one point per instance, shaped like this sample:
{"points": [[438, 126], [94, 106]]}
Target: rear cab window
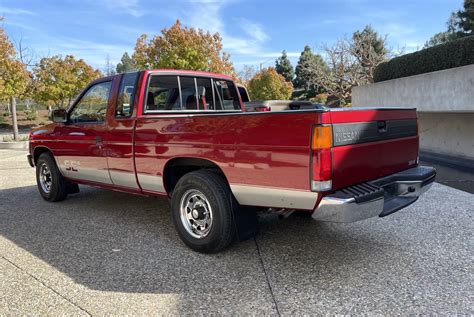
{"points": [[190, 94], [126, 95]]}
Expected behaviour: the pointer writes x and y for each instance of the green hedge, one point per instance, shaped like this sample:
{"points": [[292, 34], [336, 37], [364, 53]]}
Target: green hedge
{"points": [[456, 53]]}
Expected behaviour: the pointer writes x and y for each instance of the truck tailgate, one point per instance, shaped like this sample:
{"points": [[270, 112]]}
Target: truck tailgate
{"points": [[371, 143]]}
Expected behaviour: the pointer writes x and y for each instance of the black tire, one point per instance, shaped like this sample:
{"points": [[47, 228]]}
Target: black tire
{"points": [[58, 189], [218, 195]]}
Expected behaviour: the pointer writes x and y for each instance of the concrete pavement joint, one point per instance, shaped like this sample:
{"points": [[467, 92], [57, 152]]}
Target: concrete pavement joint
{"points": [[266, 277], [45, 285]]}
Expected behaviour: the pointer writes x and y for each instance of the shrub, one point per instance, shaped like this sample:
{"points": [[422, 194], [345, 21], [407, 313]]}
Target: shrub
{"points": [[2, 120], [452, 54], [31, 115]]}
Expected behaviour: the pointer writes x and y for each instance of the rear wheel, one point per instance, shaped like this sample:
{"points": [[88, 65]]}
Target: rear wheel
{"points": [[51, 184], [202, 206]]}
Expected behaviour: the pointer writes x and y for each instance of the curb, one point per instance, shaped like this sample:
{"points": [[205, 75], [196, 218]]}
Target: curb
{"points": [[23, 145], [456, 162]]}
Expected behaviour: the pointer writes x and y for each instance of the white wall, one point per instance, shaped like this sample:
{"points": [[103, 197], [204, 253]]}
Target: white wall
{"points": [[442, 91], [445, 104], [447, 133]]}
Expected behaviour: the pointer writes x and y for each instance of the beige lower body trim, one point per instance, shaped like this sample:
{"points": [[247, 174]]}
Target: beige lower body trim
{"points": [[78, 168], [274, 197], [151, 182], [126, 179]]}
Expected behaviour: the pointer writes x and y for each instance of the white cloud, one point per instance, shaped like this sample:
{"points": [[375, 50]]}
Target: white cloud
{"points": [[252, 29], [130, 7], [206, 14], [16, 11], [396, 29]]}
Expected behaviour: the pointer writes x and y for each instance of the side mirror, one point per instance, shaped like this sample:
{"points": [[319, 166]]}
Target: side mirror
{"points": [[59, 115]]}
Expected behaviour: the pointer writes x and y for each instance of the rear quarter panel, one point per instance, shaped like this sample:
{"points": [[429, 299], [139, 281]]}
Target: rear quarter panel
{"points": [[259, 151]]}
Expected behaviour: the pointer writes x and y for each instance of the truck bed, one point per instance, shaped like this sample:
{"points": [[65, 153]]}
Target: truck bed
{"points": [[269, 152]]}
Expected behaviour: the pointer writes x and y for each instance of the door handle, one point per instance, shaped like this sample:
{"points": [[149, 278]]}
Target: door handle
{"points": [[98, 141], [77, 134]]}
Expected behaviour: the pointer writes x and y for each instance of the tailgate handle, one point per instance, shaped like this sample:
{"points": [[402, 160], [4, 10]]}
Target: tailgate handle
{"points": [[382, 126]]}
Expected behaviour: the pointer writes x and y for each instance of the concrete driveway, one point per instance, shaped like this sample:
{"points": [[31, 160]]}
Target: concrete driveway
{"points": [[102, 252]]}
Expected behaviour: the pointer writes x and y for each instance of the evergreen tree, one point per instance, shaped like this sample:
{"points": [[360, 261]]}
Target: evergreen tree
{"points": [[466, 18], [307, 69], [126, 64], [283, 67], [460, 24]]}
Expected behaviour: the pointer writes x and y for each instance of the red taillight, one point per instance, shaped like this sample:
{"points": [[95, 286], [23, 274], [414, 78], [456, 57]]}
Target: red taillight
{"points": [[322, 165], [321, 146], [262, 109]]}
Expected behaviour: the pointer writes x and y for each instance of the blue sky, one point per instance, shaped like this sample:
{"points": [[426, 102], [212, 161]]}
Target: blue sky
{"points": [[253, 32]]}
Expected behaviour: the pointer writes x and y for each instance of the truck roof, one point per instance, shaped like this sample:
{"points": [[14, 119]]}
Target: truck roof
{"points": [[174, 72], [190, 72], [171, 71]]}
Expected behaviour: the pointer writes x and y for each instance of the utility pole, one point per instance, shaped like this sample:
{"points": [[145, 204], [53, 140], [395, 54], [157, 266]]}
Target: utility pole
{"points": [[264, 62]]}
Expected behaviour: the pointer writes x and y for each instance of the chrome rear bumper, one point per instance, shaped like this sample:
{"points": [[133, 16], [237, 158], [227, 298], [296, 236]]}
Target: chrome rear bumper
{"points": [[380, 197]]}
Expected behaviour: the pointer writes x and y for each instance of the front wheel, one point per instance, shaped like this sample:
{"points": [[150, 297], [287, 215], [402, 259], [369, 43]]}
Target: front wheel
{"points": [[202, 206], [51, 184]]}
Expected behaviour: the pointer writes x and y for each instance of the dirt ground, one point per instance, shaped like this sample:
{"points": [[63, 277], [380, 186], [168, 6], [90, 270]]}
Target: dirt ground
{"points": [[25, 121]]}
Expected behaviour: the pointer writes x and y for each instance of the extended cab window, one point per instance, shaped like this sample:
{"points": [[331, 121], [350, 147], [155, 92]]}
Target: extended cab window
{"points": [[126, 93], [176, 93], [93, 105], [163, 93], [205, 94], [226, 95], [188, 93]]}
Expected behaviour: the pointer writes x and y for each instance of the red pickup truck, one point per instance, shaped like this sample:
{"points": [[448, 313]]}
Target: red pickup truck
{"points": [[184, 135]]}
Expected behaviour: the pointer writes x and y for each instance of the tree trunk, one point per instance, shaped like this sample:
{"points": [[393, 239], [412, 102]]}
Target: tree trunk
{"points": [[16, 136]]}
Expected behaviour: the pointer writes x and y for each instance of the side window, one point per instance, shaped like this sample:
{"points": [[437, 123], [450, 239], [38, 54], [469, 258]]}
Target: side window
{"points": [[126, 94], [226, 95], [205, 95], [163, 93], [243, 94], [188, 93], [93, 105]]}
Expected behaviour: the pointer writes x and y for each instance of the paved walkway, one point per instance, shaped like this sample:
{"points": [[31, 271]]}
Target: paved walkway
{"points": [[102, 252]]}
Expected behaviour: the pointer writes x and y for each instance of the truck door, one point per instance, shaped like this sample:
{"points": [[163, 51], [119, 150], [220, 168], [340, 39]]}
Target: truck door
{"points": [[119, 139], [82, 155]]}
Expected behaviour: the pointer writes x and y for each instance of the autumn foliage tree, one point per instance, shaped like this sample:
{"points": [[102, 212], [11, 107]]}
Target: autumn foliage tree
{"points": [[267, 84], [58, 80], [14, 77], [180, 47]]}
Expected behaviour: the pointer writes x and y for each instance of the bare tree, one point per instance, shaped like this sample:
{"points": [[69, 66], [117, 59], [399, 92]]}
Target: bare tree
{"points": [[247, 73], [369, 49], [25, 54], [351, 63], [109, 68], [344, 72]]}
